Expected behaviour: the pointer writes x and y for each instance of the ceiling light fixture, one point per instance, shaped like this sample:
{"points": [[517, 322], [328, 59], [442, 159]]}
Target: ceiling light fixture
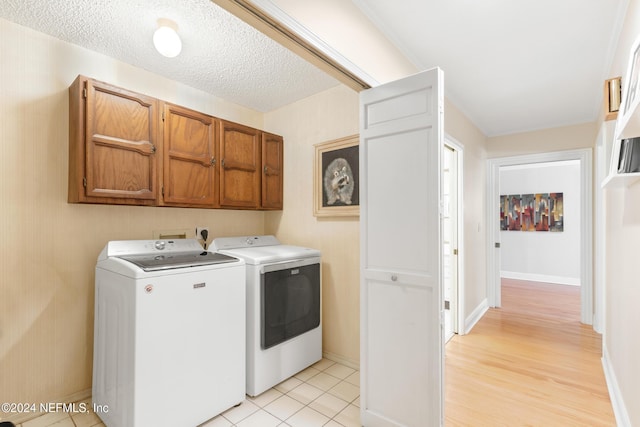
{"points": [[166, 39]]}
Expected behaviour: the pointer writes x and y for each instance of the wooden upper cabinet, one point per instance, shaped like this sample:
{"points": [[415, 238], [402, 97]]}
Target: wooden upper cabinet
{"points": [[189, 166], [128, 148], [240, 166], [112, 145], [272, 167]]}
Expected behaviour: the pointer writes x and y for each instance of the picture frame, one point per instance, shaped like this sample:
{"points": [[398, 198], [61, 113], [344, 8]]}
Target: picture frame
{"points": [[336, 179]]}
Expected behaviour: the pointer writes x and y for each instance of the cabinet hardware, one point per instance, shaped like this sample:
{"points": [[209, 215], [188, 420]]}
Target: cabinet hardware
{"points": [[84, 92], [266, 170], [84, 181], [213, 161], [153, 149], [222, 163]]}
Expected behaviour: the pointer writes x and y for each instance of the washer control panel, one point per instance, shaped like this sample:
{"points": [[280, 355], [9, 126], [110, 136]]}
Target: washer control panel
{"points": [[130, 247]]}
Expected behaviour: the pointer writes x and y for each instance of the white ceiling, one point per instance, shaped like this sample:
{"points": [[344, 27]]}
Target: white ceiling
{"points": [[510, 66]]}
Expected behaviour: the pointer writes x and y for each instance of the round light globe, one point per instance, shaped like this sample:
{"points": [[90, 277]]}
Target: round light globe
{"points": [[167, 42]]}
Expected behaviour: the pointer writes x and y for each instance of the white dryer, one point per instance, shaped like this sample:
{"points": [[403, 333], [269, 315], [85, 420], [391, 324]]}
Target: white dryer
{"points": [[284, 328], [169, 333]]}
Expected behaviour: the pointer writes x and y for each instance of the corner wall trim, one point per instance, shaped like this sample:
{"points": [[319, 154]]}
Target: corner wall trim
{"points": [[619, 408], [475, 316]]}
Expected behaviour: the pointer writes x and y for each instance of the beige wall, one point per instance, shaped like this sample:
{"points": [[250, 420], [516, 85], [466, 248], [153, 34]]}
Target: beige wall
{"points": [[623, 234], [543, 141], [326, 116], [48, 248]]}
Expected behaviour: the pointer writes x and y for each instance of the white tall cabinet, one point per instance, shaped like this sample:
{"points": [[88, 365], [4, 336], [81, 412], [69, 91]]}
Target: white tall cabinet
{"points": [[401, 344]]}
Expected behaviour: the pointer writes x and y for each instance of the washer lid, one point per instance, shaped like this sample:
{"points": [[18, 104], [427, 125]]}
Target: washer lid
{"points": [[166, 261], [272, 254]]}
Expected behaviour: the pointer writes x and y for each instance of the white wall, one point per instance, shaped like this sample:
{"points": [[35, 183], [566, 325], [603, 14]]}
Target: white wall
{"points": [[544, 256]]}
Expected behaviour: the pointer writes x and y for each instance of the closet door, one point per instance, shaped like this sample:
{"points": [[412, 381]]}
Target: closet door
{"points": [[401, 348]]}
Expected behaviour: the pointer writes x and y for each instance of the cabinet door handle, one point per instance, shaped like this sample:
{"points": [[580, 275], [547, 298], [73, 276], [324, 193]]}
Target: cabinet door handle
{"points": [[153, 149], [266, 170], [213, 161]]}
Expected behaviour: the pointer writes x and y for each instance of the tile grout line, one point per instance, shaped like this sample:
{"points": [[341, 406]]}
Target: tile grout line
{"points": [[324, 392]]}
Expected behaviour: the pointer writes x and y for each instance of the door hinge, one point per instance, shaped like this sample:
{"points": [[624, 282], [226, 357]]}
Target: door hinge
{"points": [[84, 182], [497, 245], [455, 251], [163, 116], [84, 92], [162, 190]]}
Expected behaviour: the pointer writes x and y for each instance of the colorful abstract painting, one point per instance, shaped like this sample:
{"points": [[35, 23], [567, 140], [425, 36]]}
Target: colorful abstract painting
{"points": [[532, 212]]}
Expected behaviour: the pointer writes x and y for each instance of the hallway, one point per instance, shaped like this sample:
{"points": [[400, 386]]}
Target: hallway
{"points": [[529, 363]]}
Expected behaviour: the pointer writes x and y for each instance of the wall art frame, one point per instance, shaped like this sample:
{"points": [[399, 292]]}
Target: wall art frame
{"points": [[336, 179]]}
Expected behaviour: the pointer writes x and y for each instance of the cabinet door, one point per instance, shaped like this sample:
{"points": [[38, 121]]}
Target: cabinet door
{"points": [[272, 157], [239, 166], [120, 134], [189, 177]]}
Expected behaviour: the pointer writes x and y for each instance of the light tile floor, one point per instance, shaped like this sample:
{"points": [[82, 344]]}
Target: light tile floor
{"points": [[325, 394]]}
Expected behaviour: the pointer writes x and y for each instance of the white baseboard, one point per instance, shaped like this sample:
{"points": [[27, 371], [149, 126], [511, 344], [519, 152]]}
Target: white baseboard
{"points": [[475, 316], [560, 280], [619, 408]]}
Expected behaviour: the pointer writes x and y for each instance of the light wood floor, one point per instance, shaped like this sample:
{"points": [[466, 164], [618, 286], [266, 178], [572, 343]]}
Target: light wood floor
{"points": [[529, 363]]}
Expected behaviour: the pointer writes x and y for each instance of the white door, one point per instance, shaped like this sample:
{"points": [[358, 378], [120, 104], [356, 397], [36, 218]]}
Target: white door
{"points": [[401, 341]]}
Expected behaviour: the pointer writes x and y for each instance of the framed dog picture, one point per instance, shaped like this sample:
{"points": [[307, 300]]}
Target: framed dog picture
{"points": [[336, 178]]}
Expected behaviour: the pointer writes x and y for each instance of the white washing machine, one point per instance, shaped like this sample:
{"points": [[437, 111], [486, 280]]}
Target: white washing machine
{"points": [[169, 333], [284, 328]]}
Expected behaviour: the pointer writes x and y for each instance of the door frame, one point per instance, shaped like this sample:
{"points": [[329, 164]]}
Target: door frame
{"points": [[459, 324], [584, 156]]}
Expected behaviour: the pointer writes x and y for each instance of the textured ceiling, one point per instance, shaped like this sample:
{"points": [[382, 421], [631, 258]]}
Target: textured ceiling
{"points": [[510, 66], [220, 54]]}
